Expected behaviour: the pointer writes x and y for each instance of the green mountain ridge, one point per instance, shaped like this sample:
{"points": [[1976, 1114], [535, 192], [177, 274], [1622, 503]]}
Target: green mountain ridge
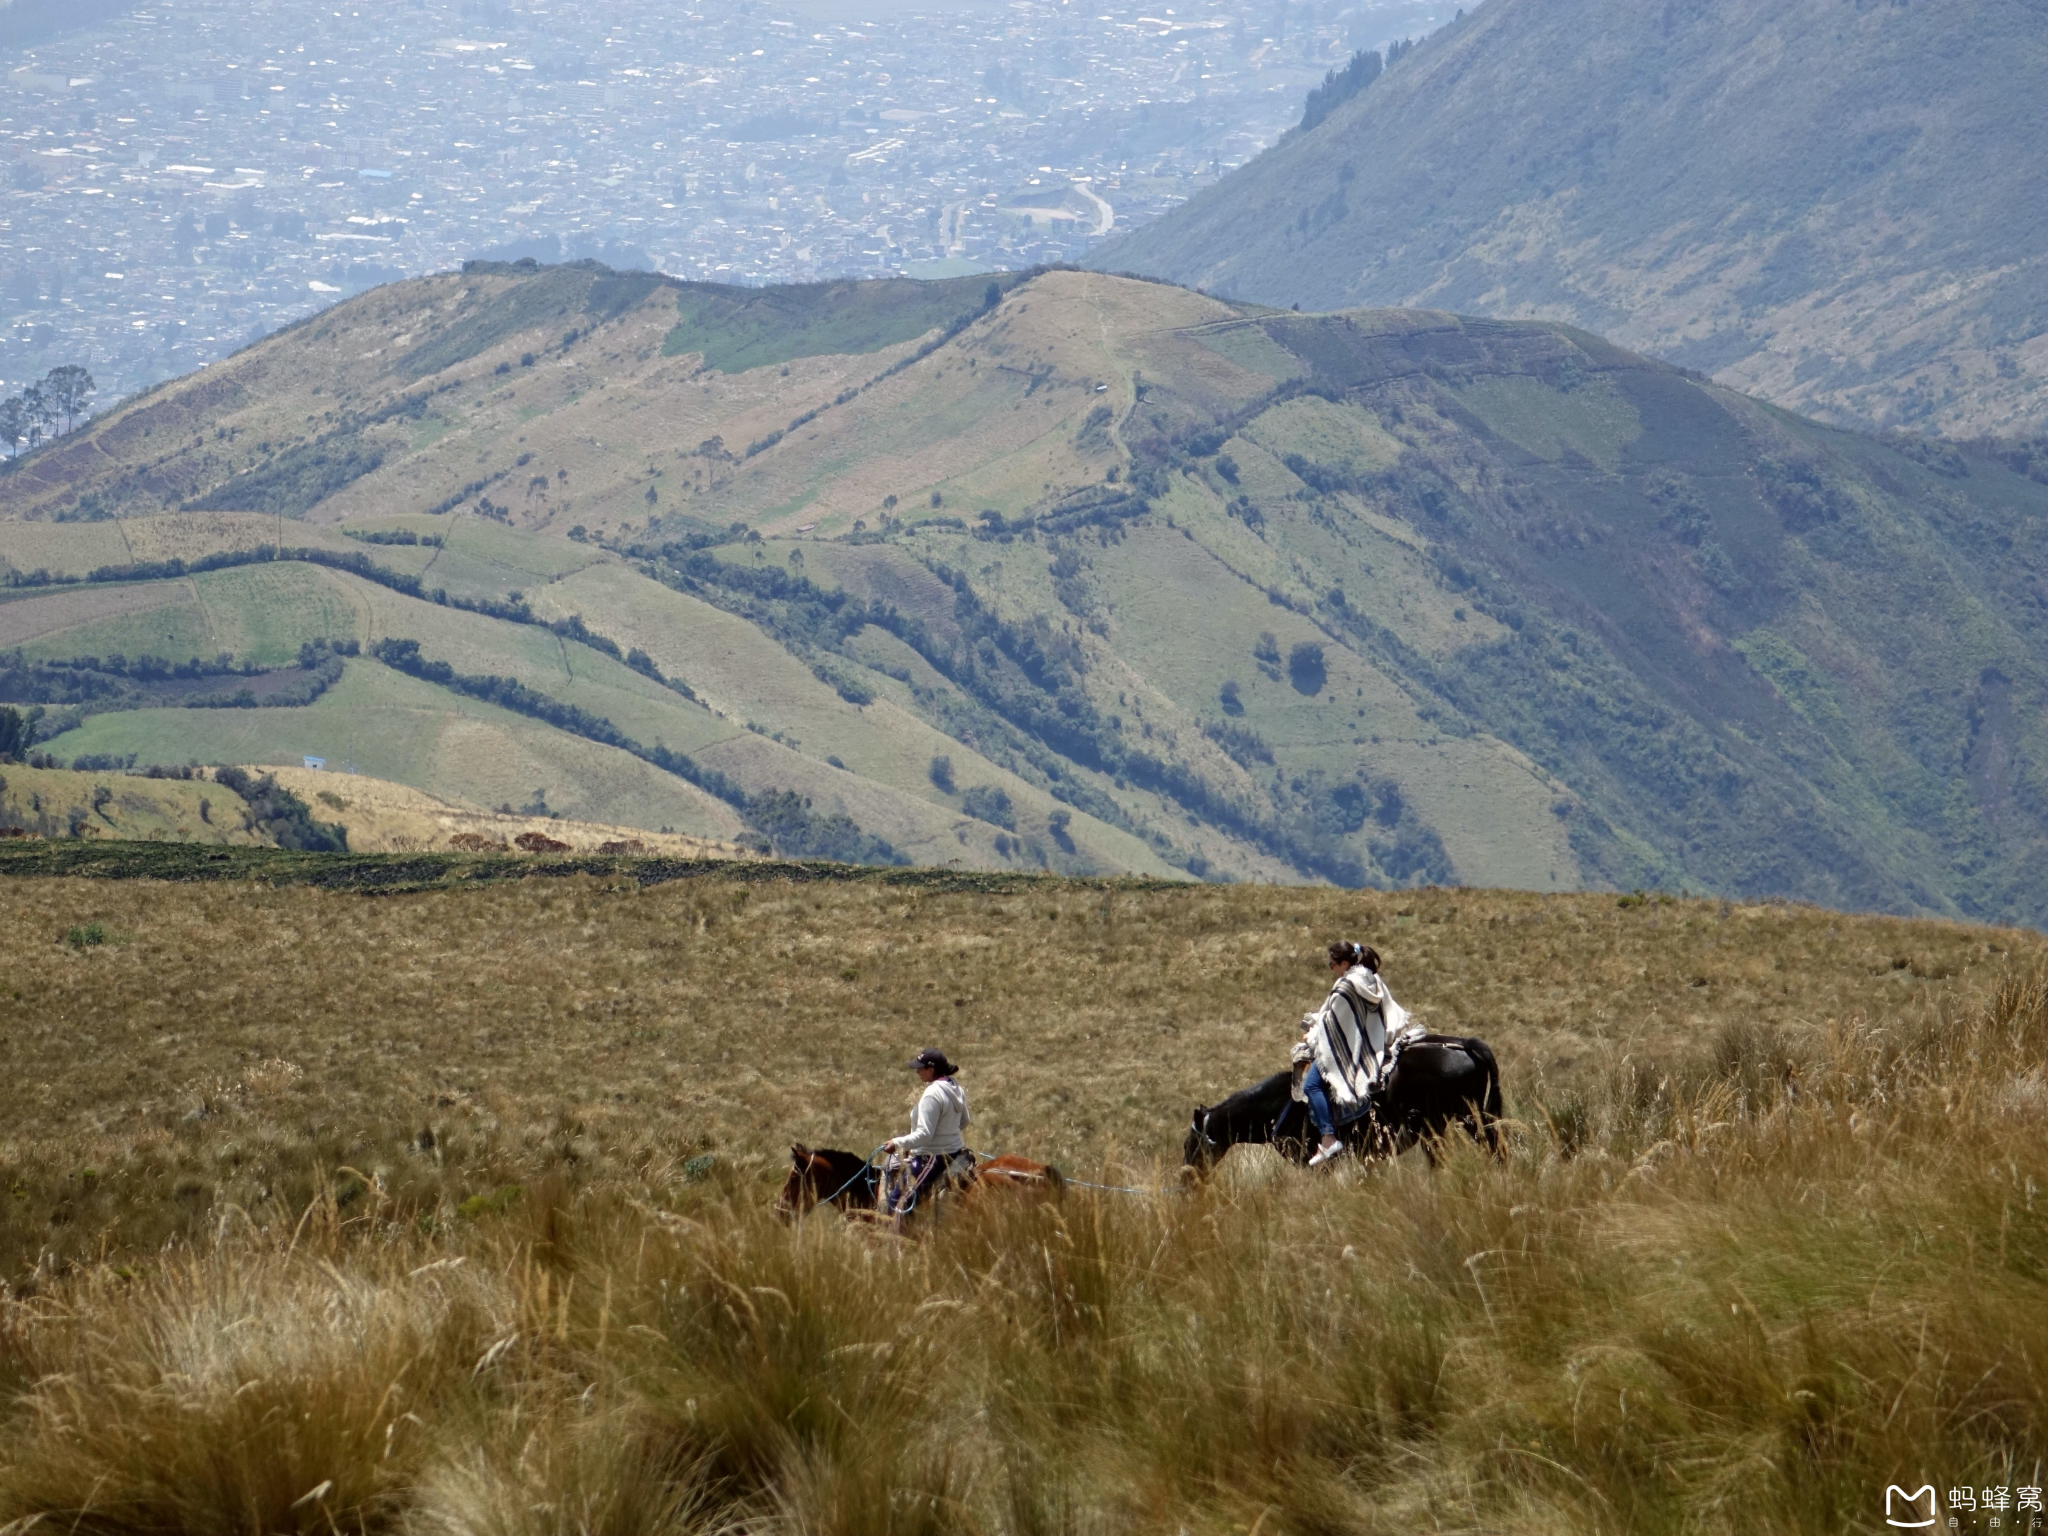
{"points": [[1081, 573], [1834, 206]]}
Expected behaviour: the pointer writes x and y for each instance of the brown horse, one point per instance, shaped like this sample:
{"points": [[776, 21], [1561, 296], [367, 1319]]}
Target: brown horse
{"points": [[827, 1176]]}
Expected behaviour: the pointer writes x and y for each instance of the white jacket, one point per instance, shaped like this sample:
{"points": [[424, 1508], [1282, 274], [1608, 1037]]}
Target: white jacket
{"points": [[940, 1117]]}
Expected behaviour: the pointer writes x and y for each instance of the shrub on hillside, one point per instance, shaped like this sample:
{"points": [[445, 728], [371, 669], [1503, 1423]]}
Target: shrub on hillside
{"points": [[798, 832], [281, 815], [1305, 667], [987, 803], [1244, 745], [1056, 826]]}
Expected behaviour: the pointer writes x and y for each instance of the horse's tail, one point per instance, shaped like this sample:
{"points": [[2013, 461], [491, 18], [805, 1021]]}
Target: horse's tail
{"points": [[1055, 1180], [1490, 1107]]}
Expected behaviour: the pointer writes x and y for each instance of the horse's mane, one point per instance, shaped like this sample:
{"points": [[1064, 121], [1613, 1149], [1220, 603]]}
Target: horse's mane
{"points": [[840, 1163], [1254, 1097]]}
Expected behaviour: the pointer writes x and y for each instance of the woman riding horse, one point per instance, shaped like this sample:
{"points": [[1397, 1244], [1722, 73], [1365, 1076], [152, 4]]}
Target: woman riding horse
{"points": [[1346, 1044], [933, 1148], [1375, 1083]]}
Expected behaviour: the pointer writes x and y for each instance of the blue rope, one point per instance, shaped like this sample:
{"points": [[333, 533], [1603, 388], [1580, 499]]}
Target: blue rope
{"points": [[865, 1167]]}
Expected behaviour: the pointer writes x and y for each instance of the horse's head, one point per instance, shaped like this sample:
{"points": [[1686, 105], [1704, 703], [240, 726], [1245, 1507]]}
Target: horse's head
{"points": [[1199, 1151], [800, 1189], [824, 1175]]}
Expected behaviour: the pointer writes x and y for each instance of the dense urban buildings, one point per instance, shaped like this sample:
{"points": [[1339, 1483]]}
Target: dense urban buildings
{"points": [[180, 180]]}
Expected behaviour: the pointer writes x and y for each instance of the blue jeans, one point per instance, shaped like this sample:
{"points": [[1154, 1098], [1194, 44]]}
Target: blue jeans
{"points": [[1319, 1101]]}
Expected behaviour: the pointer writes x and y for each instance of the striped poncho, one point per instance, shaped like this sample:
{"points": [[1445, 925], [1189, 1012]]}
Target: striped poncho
{"points": [[1351, 1036]]}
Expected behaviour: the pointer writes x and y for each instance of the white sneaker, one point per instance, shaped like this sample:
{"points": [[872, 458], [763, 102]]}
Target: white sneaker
{"points": [[1328, 1154]]}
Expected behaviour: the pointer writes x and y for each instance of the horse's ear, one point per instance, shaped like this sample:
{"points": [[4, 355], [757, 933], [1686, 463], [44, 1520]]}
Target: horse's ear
{"points": [[799, 1153], [1200, 1110]]}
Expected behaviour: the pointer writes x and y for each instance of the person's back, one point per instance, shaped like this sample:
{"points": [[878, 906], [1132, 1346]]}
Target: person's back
{"points": [[1346, 1044], [939, 1120]]}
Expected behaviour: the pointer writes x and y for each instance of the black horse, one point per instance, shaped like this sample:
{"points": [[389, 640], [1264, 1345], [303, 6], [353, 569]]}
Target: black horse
{"points": [[1438, 1080]]}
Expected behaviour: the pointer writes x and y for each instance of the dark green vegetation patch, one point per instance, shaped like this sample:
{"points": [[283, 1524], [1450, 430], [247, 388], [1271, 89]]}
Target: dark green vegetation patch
{"points": [[544, 296], [741, 328]]}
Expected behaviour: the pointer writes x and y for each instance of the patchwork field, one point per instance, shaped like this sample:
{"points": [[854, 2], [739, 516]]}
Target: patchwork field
{"points": [[1088, 575], [473, 1184]]}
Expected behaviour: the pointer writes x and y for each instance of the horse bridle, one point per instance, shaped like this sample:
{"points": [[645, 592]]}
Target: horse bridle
{"points": [[1201, 1128]]}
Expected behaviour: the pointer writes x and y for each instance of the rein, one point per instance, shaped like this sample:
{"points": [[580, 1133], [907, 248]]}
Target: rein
{"points": [[866, 1167]]}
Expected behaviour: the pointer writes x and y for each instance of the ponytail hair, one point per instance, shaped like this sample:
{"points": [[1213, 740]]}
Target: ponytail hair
{"points": [[1350, 952]]}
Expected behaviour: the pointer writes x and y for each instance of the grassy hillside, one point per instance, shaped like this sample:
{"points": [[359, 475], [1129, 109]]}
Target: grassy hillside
{"points": [[62, 803], [1095, 575], [116, 804], [1765, 1235], [1829, 206]]}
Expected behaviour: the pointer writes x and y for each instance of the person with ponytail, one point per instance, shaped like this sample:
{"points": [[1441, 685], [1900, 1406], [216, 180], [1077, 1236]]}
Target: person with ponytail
{"points": [[1346, 1044]]}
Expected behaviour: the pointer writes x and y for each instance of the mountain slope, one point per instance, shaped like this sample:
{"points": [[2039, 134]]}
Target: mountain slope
{"points": [[1090, 573], [1834, 206]]}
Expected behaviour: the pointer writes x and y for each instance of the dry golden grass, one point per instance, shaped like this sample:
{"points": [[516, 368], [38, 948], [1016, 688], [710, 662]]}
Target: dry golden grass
{"points": [[383, 817], [1772, 1232]]}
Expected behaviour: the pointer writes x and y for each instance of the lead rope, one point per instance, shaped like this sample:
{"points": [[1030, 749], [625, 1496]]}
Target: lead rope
{"points": [[864, 1168]]}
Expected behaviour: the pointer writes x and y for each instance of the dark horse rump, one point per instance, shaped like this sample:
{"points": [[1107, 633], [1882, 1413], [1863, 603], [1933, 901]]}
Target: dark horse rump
{"points": [[1438, 1081]]}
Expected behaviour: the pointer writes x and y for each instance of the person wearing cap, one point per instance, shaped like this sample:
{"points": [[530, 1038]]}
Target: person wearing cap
{"points": [[934, 1141]]}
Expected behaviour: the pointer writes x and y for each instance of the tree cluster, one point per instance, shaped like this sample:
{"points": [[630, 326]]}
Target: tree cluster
{"points": [[59, 396], [1338, 87], [275, 810]]}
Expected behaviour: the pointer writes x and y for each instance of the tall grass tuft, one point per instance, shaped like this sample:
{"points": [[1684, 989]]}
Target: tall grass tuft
{"points": [[242, 1391]]}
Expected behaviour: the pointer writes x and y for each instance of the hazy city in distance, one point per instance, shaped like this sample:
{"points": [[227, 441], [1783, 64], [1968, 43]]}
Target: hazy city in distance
{"points": [[195, 174]]}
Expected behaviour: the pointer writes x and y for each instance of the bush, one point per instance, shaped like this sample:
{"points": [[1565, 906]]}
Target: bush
{"points": [[1305, 667], [796, 831], [1056, 827], [281, 815], [941, 772], [1243, 745], [987, 803]]}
